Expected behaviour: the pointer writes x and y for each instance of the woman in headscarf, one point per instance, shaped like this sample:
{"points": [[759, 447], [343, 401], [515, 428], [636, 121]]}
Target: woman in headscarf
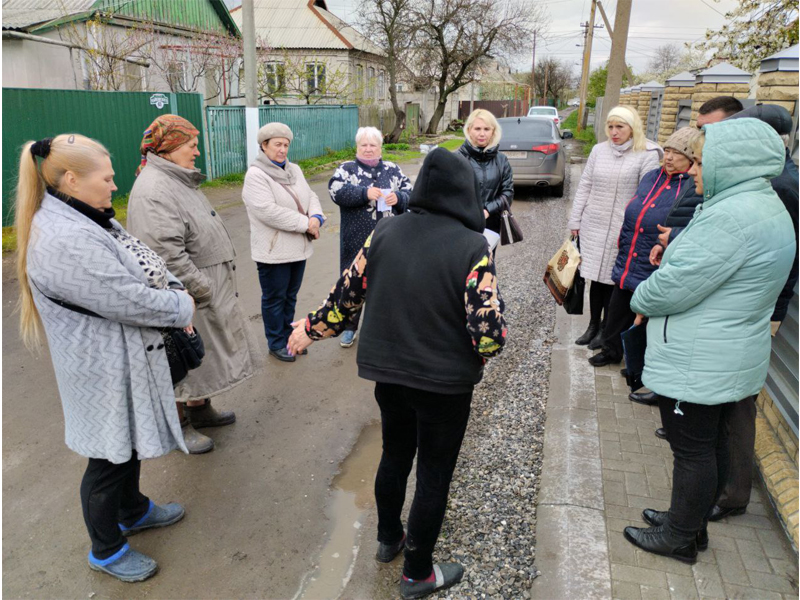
{"points": [[168, 212]]}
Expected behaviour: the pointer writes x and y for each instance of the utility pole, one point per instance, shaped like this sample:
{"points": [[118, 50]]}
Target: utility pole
{"points": [[533, 72], [250, 78], [546, 77], [587, 58], [616, 64]]}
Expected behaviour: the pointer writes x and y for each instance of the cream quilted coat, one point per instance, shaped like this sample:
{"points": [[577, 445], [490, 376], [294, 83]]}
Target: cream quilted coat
{"points": [[609, 181]]}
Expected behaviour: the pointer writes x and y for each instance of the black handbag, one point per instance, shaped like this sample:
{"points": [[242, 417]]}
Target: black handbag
{"points": [[573, 301], [185, 351], [510, 231]]}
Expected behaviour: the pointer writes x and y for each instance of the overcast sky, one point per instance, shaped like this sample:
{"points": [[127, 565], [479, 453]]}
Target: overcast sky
{"points": [[653, 24]]}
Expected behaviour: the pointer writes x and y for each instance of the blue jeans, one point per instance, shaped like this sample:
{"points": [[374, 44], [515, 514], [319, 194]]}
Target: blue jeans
{"points": [[279, 287]]}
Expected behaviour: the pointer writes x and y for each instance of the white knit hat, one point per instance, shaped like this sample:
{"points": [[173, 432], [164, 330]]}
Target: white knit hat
{"points": [[622, 113]]}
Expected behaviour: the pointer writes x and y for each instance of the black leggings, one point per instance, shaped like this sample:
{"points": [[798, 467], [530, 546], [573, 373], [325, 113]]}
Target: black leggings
{"points": [[599, 298]]}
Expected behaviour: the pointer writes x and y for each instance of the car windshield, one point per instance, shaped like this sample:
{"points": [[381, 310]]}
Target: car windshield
{"points": [[549, 112], [527, 130]]}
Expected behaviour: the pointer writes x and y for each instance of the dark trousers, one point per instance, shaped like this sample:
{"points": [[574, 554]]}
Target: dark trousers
{"points": [[353, 325], [741, 428], [431, 426], [110, 495], [599, 299], [699, 442], [619, 318], [279, 287]]}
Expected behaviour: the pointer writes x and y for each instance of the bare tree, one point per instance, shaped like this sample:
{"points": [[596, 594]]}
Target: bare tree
{"points": [[104, 49], [455, 36], [556, 75], [314, 80], [665, 59], [393, 26]]}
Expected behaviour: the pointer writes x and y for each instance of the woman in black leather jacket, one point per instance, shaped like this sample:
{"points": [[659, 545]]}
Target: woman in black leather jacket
{"points": [[482, 133]]}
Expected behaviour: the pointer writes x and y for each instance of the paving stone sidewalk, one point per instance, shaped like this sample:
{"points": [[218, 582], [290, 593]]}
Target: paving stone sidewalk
{"points": [[581, 552]]}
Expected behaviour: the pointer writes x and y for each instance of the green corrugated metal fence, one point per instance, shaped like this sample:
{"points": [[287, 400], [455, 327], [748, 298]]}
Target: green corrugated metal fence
{"points": [[317, 130], [115, 119]]}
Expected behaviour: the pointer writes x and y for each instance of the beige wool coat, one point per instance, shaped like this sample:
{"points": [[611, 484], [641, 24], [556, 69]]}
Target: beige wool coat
{"points": [[168, 212], [609, 181], [277, 228]]}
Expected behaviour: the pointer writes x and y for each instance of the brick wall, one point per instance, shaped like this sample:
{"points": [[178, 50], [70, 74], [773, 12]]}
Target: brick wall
{"points": [[778, 87], [777, 459], [643, 106], [669, 110]]}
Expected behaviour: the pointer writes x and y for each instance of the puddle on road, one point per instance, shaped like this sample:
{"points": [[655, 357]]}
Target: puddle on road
{"points": [[352, 494]]}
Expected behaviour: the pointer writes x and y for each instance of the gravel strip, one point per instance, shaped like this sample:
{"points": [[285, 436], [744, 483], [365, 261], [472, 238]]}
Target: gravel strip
{"points": [[491, 518]]}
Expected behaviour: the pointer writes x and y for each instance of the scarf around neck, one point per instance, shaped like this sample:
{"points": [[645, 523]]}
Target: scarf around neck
{"points": [[370, 162], [621, 149], [283, 175], [101, 217]]}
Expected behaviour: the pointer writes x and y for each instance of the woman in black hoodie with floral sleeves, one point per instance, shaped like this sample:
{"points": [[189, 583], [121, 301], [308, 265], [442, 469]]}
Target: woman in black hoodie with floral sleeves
{"points": [[432, 268]]}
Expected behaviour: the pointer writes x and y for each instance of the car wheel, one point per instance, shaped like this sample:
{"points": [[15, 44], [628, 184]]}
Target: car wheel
{"points": [[557, 191]]}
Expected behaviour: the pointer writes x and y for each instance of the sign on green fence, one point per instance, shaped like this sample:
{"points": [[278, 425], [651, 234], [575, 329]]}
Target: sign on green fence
{"points": [[115, 119]]}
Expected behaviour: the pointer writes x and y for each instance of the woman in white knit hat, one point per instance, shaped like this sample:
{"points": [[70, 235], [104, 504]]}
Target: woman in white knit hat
{"points": [[285, 217], [610, 179]]}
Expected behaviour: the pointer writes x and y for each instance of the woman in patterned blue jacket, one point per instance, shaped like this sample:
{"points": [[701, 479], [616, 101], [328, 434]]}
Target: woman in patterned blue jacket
{"points": [[366, 189]]}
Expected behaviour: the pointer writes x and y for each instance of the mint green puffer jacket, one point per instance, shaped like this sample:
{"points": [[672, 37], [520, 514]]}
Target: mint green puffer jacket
{"points": [[709, 303]]}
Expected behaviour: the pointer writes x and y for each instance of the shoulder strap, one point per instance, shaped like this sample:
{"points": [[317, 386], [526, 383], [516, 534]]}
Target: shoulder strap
{"points": [[294, 197], [67, 305]]}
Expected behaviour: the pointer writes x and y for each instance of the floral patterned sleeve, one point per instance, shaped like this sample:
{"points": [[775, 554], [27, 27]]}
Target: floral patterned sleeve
{"points": [[344, 301], [485, 307]]}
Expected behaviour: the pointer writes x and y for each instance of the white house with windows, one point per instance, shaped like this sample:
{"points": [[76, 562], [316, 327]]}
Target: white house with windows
{"points": [[308, 55]]}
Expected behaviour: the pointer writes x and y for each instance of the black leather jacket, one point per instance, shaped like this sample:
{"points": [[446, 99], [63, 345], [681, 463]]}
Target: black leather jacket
{"points": [[496, 181]]}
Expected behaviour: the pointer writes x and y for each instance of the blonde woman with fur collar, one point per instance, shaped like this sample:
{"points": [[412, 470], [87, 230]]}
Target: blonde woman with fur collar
{"points": [[609, 181]]}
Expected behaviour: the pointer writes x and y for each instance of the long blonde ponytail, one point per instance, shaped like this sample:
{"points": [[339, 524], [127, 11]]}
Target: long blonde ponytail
{"points": [[68, 152]]}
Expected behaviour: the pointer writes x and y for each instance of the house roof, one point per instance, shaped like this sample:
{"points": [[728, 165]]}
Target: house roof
{"points": [[306, 24], [41, 15]]}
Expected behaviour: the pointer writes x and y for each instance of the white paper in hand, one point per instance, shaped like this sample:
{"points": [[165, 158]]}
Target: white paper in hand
{"points": [[382, 206], [492, 237]]}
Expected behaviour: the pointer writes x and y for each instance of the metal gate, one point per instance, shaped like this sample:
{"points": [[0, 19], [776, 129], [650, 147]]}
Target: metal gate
{"points": [[226, 140], [654, 113], [317, 130], [684, 116], [412, 119]]}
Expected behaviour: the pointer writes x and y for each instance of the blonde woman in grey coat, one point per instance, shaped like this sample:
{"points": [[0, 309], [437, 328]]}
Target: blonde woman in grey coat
{"points": [[101, 297], [168, 212]]}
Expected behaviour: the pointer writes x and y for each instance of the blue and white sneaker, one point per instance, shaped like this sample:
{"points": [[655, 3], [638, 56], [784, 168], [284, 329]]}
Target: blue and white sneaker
{"points": [[348, 338], [126, 565], [156, 516]]}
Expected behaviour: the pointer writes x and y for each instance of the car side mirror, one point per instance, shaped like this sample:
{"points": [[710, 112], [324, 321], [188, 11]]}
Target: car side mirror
{"points": [[566, 134]]}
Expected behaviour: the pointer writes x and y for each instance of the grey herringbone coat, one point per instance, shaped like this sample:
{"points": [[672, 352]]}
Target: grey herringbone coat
{"points": [[112, 373]]}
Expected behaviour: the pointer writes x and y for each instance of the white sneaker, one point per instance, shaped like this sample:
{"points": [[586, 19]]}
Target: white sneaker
{"points": [[348, 338]]}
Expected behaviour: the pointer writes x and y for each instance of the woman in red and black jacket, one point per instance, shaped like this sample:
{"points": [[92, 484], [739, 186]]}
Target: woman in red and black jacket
{"points": [[658, 192]]}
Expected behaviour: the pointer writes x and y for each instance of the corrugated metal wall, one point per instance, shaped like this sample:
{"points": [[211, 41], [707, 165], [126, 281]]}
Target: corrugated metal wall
{"points": [[116, 119], [317, 130], [194, 14]]}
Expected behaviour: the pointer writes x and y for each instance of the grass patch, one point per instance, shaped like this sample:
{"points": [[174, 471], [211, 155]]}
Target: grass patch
{"points": [[452, 144], [586, 135], [9, 239], [224, 180]]}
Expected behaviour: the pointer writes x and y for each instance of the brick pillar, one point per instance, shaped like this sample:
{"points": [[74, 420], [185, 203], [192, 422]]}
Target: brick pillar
{"points": [[720, 80], [779, 87], [679, 87], [643, 105]]}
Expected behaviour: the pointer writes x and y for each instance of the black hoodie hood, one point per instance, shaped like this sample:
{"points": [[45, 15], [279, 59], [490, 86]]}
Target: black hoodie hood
{"points": [[773, 115], [447, 185]]}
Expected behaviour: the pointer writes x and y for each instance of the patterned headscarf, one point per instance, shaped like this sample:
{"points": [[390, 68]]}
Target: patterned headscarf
{"points": [[166, 134]]}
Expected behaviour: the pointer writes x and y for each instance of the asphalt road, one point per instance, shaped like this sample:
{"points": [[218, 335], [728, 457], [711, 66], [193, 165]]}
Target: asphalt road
{"points": [[258, 508]]}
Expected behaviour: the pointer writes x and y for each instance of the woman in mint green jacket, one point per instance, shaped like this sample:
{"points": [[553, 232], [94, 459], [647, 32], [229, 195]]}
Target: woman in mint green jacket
{"points": [[709, 306]]}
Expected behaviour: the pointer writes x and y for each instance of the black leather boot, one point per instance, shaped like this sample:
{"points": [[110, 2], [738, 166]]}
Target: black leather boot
{"points": [[647, 398], [589, 334], [597, 341], [659, 517], [660, 540]]}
